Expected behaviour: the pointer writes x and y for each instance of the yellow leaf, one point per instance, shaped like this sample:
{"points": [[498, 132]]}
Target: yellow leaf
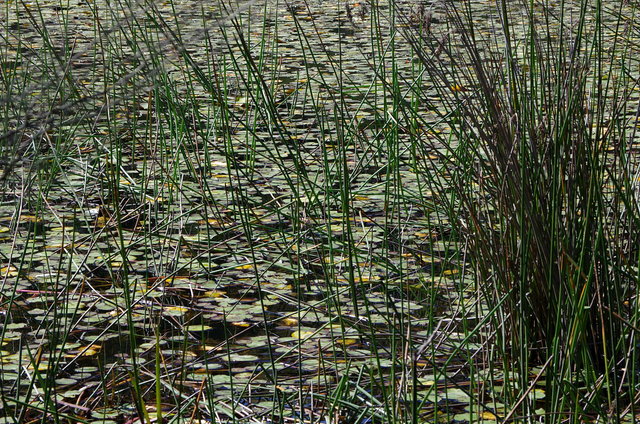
{"points": [[215, 293], [486, 415], [289, 322], [29, 218], [176, 308], [9, 271], [302, 334]]}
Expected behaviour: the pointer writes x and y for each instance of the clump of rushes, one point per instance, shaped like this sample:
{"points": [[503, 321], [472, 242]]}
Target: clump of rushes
{"points": [[540, 154]]}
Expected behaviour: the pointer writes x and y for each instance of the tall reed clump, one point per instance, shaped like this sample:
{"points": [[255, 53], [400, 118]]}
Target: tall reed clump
{"points": [[544, 173]]}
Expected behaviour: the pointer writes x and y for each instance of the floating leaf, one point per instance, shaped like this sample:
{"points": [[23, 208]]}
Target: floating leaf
{"points": [[302, 334], [537, 394], [486, 415], [289, 322], [197, 328], [9, 271]]}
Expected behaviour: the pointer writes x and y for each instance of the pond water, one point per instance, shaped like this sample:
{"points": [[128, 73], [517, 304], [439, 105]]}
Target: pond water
{"points": [[227, 203]]}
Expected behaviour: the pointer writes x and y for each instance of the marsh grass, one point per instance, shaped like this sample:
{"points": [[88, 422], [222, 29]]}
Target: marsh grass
{"points": [[544, 123], [274, 212]]}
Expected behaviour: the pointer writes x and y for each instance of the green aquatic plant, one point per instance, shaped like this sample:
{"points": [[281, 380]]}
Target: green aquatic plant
{"points": [[543, 165], [268, 211]]}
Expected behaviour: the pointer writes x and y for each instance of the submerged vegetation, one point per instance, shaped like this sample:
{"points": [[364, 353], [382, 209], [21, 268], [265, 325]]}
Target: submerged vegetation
{"points": [[324, 212]]}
